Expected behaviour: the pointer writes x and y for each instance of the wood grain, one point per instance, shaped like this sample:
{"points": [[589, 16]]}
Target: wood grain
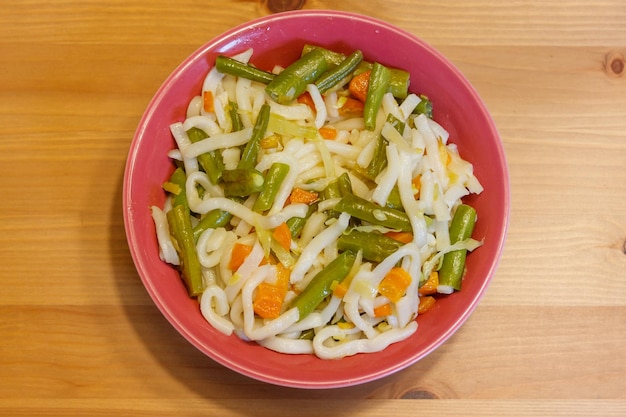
{"points": [[79, 334]]}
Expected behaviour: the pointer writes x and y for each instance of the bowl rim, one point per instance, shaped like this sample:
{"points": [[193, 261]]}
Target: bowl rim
{"points": [[337, 382]]}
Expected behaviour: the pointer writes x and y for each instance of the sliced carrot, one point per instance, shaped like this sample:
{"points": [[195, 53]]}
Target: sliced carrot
{"points": [[238, 256], [383, 310], [426, 303], [431, 284], [351, 107], [207, 102], [300, 196], [282, 235], [395, 283], [305, 98], [328, 132], [340, 290], [359, 84], [269, 298], [404, 237]]}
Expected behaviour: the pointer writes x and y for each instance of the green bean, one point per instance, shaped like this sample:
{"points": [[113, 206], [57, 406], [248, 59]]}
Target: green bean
{"points": [[399, 82], [453, 265], [333, 76], [179, 178], [379, 159], [296, 224], [251, 151], [345, 184], [393, 200], [273, 179], [292, 81], [424, 107], [332, 190], [235, 119], [373, 213], [212, 220], [231, 66], [378, 85], [333, 58], [320, 286], [179, 222], [375, 246], [240, 182], [211, 162]]}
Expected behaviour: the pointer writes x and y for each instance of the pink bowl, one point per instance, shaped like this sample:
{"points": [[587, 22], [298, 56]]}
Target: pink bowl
{"points": [[279, 38]]}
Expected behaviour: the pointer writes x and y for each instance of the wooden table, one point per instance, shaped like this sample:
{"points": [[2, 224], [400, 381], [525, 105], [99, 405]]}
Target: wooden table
{"points": [[79, 334]]}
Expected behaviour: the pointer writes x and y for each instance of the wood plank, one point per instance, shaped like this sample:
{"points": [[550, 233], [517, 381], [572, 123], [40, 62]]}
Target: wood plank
{"points": [[522, 353], [134, 407], [475, 22]]}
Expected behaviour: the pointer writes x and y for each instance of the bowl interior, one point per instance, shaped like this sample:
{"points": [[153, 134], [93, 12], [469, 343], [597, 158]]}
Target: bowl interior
{"points": [[279, 39]]}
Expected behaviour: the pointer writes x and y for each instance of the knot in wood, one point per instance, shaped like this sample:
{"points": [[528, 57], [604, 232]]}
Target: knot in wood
{"points": [[614, 64], [277, 6]]}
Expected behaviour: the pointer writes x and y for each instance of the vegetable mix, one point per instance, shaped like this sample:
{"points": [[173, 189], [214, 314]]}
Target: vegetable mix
{"points": [[317, 208]]}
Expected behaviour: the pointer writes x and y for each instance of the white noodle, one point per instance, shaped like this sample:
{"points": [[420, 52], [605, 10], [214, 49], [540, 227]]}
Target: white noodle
{"points": [[203, 122], [166, 248], [352, 347], [389, 177], [219, 141], [211, 245], [330, 234], [214, 306], [251, 325], [320, 106]]}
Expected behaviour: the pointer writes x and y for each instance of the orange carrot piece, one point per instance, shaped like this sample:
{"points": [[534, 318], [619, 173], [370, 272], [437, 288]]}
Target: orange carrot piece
{"points": [[268, 300], [328, 132], [383, 310], [340, 290], [395, 283], [351, 107], [404, 237], [430, 286], [426, 303], [300, 196], [282, 235], [207, 102], [305, 98], [359, 84], [238, 256]]}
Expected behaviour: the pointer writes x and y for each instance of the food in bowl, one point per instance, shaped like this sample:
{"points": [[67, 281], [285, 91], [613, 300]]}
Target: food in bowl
{"points": [[280, 38], [315, 208]]}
